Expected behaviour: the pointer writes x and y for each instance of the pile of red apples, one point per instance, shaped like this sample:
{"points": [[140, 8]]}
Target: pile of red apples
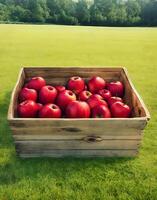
{"points": [[78, 99]]}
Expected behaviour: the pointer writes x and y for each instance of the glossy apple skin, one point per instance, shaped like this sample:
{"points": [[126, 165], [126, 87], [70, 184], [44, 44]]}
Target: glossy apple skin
{"points": [[95, 100], [50, 111], [27, 109], [116, 88], [95, 84], [60, 88], [120, 110], [78, 109], [106, 94], [76, 84], [84, 95], [101, 111], [36, 83], [47, 94], [39, 106], [112, 100], [28, 94], [64, 98]]}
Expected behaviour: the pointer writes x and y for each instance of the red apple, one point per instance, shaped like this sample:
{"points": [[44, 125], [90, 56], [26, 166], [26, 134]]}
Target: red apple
{"points": [[47, 94], [50, 111], [95, 84], [39, 106], [101, 111], [27, 109], [85, 87], [64, 98], [112, 100], [106, 94], [106, 85], [78, 109], [76, 84], [60, 88], [95, 100], [27, 94], [36, 83], [84, 95], [116, 88], [120, 110]]}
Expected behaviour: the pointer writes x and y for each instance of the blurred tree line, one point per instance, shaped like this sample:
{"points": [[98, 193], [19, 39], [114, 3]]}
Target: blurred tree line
{"points": [[81, 12]]}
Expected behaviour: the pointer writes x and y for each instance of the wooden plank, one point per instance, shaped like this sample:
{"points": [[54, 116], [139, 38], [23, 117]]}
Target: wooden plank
{"points": [[74, 68], [79, 153], [74, 131], [76, 144], [72, 136], [75, 125], [14, 95], [129, 96], [70, 71], [136, 101]]}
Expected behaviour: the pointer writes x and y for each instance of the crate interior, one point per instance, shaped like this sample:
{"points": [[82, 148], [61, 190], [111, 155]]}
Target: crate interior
{"points": [[57, 76]]}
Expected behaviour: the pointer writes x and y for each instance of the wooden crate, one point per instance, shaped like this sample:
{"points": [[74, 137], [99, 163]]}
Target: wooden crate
{"points": [[78, 137]]}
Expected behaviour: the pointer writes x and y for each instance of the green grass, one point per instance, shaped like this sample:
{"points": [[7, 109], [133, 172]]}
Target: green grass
{"points": [[81, 179]]}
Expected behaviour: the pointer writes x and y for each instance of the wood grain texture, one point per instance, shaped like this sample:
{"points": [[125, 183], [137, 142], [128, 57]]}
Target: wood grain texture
{"points": [[133, 98], [63, 136], [66, 72], [33, 145], [12, 111], [79, 153], [55, 132], [69, 137], [91, 122]]}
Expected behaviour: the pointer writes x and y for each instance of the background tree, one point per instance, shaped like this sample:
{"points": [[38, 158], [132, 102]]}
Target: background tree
{"points": [[149, 13], [83, 12], [4, 12], [133, 9]]}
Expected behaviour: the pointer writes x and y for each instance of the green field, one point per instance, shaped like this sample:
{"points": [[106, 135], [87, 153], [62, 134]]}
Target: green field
{"points": [[80, 179]]}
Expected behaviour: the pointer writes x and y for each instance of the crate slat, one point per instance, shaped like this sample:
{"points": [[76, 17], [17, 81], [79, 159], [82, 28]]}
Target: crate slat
{"points": [[76, 144], [68, 132], [63, 136], [79, 153], [70, 137]]}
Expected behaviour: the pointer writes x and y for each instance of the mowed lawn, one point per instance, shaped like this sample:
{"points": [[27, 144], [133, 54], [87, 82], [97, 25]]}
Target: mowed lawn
{"points": [[71, 178]]}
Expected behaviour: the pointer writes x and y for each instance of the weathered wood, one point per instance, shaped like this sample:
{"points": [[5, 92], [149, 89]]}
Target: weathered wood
{"points": [[12, 112], [77, 132], [34, 145], [66, 72], [75, 124], [79, 153], [136, 102], [65, 136], [78, 137]]}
